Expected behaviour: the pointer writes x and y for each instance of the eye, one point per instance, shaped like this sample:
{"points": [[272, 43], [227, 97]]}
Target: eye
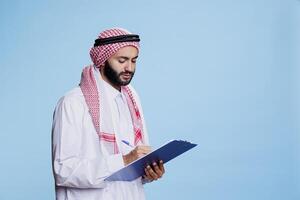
{"points": [[133, 61], [121, 60]]}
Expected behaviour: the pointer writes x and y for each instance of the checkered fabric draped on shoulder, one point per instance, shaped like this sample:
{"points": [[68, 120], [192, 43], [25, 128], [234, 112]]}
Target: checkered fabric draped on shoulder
{"points": [[99, 55]]}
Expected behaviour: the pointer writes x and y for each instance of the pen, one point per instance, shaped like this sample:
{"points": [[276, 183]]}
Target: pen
{"points": [[127, 143]]}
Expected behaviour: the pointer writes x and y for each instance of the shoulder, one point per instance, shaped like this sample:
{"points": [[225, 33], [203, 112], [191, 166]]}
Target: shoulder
{"points": [[75, 93], [72, 98]]}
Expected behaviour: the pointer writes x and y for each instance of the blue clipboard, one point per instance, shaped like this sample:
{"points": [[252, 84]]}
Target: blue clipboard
{"points": [[166, 153]]}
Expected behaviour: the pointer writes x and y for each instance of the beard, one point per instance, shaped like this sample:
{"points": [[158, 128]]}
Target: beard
{"points": [[114, 77]]}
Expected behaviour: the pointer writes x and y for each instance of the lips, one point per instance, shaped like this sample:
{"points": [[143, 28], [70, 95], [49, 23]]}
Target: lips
{"points": [[126, 75]]}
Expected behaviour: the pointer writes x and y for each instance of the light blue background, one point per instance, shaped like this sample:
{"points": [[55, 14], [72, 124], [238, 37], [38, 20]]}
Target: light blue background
{"points": [[224, 74]]}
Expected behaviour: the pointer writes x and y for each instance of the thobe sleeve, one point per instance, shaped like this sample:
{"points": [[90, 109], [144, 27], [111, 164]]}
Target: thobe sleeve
{"points": [[75, 164]]}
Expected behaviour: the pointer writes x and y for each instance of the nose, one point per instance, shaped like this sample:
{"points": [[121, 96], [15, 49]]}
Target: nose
{"points": [[129, 66]]}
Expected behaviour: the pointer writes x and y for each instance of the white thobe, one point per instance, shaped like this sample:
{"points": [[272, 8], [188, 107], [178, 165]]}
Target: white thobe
{"points": [[79, 162]]}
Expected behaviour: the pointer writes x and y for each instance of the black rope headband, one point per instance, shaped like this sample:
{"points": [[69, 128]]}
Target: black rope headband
{"points": [[117, 39]]}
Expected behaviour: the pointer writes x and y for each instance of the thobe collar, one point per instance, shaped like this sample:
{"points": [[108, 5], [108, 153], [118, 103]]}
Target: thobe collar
{"points": [[111, 90]]}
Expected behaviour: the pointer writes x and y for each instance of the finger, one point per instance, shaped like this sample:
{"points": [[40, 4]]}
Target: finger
{"points": [[139, 155], [146, 147], [142, 152], [147, 175], [139, 152], [161, 166], [146, 178], [157, 170], [143, 148], [152, 174]]}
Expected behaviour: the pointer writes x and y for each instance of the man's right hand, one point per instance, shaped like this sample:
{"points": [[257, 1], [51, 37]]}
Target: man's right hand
{"points": [[136, 153]]}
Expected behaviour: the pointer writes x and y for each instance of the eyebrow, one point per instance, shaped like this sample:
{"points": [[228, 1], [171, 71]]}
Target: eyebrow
{"points": [[127, 58]]}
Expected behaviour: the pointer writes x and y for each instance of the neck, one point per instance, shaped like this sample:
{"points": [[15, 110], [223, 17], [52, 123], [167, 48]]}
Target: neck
{"points": [[108, 81]]}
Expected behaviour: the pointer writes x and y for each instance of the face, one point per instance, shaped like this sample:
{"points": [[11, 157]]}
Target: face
{"points": [[119, 68]]}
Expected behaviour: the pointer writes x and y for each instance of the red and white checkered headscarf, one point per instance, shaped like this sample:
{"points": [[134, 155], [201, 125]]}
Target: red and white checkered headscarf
{"points": [[100, 54], [89, 89]]}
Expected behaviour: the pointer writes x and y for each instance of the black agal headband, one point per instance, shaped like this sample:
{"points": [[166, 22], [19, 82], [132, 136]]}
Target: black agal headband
{"points": [[117, 39]]}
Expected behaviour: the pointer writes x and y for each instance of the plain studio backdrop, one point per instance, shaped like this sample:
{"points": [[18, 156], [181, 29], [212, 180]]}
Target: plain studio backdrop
{"points": [[223, 74]]}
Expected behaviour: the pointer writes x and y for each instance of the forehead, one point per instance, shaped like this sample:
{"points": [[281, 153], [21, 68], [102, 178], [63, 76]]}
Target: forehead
{"points": [[128, 51]]}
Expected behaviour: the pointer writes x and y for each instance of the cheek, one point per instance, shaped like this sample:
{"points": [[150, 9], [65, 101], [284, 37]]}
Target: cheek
{"points": [[134, 65], [118, 67]]}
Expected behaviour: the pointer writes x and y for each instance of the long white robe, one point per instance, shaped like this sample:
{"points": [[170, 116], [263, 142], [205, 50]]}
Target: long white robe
{"points": [[80, 164]]}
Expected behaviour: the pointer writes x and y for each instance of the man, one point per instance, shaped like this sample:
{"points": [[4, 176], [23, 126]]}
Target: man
{"points": [[99, 126]]}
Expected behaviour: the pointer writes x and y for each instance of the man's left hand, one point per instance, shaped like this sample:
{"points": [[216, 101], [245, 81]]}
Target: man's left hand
{"points": [[155, 171]]}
